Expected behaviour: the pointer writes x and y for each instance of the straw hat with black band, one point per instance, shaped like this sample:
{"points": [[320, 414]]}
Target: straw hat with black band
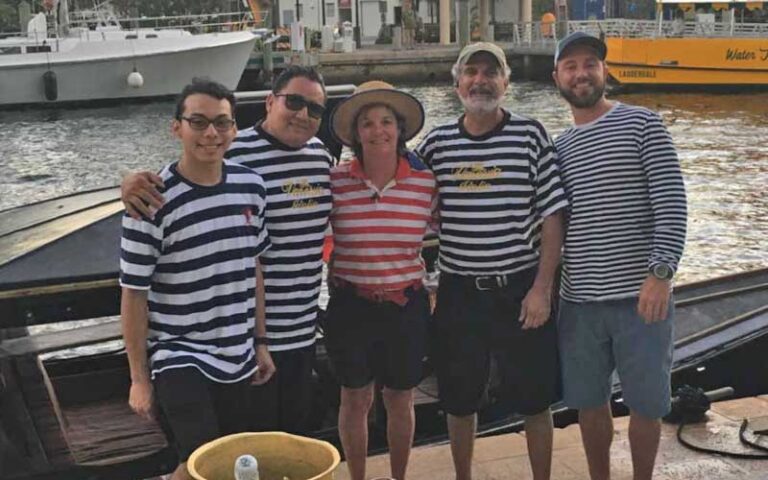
{"points": [[370, 93]]}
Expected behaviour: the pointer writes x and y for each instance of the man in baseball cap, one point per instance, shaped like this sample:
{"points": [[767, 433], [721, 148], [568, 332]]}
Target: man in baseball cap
{"points": [[617, 307], [500, 236]]}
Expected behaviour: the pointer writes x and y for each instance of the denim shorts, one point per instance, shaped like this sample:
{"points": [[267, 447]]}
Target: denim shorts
{"points": [[597, 338]]}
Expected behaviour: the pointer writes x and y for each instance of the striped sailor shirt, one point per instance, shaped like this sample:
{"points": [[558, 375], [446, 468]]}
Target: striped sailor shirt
{"points": [[298, 205], [627, 203], [196, 258], [495, 190], [378, 234]]}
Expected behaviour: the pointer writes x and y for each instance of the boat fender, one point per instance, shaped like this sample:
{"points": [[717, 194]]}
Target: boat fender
{"points": [[50, 85], [135, 79]]}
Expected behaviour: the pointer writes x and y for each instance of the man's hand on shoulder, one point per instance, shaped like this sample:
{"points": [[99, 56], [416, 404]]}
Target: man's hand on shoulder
{"points": [[536, 307], [653, 303], [139, 193], [265, 366], [141, 400]]}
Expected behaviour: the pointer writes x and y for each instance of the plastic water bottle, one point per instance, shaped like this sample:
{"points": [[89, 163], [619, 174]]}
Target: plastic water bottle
{"points": [[246, 468]]}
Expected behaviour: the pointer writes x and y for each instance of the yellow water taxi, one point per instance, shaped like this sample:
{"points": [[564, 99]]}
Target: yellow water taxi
{"points": [[691, 43]]}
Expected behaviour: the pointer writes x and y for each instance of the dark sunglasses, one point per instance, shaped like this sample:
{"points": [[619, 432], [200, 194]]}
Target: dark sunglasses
{"points": [[297, 102], [200, 123]]}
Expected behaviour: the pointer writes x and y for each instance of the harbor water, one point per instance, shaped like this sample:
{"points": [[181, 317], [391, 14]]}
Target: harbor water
{"points": [[721, 140]]}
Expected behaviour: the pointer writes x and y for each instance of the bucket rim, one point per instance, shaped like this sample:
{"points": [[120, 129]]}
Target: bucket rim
{"points": [[336, 457]]}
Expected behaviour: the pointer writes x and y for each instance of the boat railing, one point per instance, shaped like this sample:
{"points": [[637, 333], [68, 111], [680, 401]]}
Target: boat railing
{"points": [[544, 34], [207, 23]]}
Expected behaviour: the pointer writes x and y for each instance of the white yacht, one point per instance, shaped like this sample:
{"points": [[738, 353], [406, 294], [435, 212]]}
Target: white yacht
{"points": [[102, 61]]}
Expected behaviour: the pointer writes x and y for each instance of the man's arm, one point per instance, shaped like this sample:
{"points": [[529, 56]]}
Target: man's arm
{"points": [[265, 365], [669, 207], [140, 195], [550, 204], [537, 304], [134, 321]]}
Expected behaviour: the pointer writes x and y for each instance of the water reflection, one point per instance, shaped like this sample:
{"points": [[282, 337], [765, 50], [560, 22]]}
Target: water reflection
{"points": [[721, 140]]}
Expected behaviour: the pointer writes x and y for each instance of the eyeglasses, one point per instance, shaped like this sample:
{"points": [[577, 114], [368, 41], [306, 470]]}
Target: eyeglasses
{"points": [[297, 102], [200, 123]]}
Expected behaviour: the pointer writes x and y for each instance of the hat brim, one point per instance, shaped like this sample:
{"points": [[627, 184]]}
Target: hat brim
{"points": [[404, 104]]}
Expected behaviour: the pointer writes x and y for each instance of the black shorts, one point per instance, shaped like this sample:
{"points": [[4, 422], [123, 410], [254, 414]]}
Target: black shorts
{"points": [[195, 410], [284, 403], [472, 327], [369, 340]]}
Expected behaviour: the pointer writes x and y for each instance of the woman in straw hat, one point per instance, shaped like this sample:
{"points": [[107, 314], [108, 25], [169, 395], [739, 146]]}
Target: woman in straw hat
{"points": [[377, 316]]}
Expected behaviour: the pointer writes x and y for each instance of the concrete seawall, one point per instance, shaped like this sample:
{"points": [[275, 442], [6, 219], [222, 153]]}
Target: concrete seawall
{"points": [[422, 64]]}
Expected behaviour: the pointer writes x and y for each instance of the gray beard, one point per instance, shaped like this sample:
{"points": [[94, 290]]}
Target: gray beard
{"points": [[583, 102], [486, 106]]}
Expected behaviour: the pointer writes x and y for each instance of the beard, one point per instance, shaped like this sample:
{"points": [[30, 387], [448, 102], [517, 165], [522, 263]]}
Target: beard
{"points": [[586, 101], [480, 103]]}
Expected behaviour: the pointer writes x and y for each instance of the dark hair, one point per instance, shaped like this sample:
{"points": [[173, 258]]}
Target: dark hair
{"points": [[357, 148], [204, 86], [295, 71]]}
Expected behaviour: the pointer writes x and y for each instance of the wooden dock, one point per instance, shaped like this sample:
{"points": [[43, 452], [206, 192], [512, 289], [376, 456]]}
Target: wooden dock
{"points": [[505, 456]]}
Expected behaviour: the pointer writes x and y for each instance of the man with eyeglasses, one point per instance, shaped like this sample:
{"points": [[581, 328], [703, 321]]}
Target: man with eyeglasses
{"points": [[190, 312], [501, 229], [295, 167]]}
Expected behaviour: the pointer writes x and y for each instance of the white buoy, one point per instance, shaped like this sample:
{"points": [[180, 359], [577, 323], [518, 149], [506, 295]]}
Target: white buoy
{"points": [[246, 468], [135, 79]]}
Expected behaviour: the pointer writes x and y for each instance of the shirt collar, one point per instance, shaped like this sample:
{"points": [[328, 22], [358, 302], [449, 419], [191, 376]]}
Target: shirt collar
{"points": [[403, 169]]}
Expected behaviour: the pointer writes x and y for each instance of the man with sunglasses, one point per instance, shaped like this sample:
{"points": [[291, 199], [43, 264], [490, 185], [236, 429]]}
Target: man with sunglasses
{"points": [[191, 315], [295, 167]]}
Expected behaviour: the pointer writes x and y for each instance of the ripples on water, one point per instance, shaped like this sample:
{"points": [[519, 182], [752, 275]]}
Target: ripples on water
{"points": [[722, 141]]}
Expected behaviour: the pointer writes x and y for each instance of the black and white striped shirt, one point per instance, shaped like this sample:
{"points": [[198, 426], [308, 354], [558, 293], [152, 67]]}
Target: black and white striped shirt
{"points": [[494, 192], [197, 259], [627, 203], [298, 205]]}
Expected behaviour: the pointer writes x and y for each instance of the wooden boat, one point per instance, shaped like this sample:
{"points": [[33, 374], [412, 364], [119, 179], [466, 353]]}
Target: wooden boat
{"points": [[715, 49], [68, 417]]}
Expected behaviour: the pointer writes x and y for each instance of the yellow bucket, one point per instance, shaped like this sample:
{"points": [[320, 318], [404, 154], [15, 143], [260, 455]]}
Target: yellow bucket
{"points": [[280, 455]]}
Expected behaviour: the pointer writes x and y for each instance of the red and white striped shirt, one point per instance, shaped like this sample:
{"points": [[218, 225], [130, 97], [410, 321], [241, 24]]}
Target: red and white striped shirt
{"points": [[378, 234]]}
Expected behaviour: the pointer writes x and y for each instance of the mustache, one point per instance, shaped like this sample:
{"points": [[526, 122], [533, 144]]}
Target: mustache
{"points": [[481, 91]]}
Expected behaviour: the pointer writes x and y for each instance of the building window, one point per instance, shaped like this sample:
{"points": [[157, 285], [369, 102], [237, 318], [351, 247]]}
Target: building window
{"points": [[330, 9], [287, 17]]}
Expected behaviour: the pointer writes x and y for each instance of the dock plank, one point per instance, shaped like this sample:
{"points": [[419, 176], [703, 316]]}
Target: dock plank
{"points": [[505, 456]]}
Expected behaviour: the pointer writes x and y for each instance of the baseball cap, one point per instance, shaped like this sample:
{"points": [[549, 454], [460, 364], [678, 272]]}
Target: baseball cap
{"points": [[473, 48], [580, 38]]}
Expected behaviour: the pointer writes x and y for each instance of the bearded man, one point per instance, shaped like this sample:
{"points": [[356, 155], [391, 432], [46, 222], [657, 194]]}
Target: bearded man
{"points": [[501, 232], [626, 233]]}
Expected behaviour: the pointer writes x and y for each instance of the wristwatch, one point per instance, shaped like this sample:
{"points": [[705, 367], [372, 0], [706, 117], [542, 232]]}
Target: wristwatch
{"points": [[662, 271]]}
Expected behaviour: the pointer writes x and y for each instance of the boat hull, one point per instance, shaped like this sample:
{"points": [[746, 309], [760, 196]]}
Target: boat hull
{"points": [[688, 61], [104, 75]]}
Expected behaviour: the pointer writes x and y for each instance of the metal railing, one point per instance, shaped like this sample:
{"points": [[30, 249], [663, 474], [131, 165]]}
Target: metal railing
{"points": [[101, 27], [214, 22], [543, 34]]}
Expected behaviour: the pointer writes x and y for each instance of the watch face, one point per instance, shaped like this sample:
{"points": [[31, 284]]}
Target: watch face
{"points": [[662, 271]]}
